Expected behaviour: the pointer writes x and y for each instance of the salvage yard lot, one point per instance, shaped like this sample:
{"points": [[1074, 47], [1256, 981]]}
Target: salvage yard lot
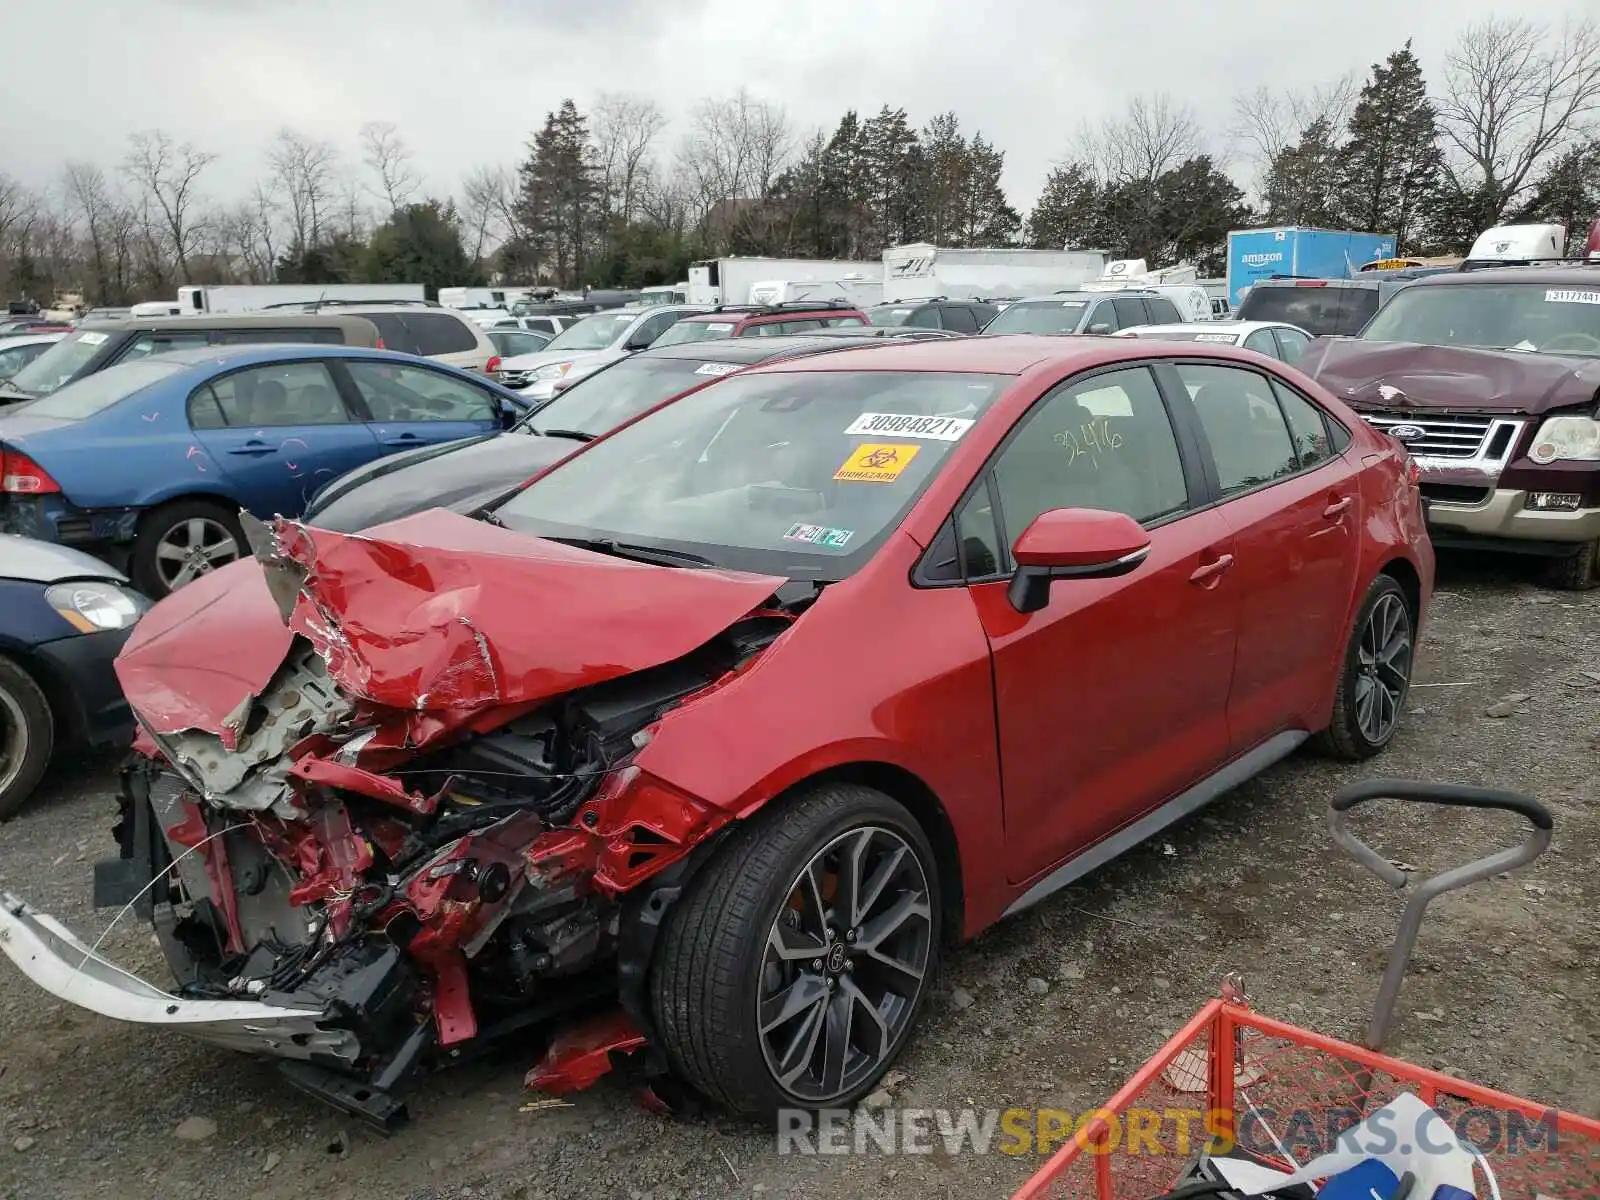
{"points": [[1503, 988]]}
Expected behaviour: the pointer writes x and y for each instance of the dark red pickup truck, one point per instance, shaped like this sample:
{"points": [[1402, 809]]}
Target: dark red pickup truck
{"points": [[1491, 379]]}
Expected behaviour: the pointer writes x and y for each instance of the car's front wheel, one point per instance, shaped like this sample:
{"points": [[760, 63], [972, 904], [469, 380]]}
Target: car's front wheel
{"points": [[793, 970]]}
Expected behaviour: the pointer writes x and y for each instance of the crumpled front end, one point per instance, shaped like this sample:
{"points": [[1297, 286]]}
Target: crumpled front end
{"points": [[422, 825]]}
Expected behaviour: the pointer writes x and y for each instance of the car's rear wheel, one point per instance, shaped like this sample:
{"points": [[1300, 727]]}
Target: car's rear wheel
{"points": [[1376, 674], [27, 735], [792, 972], [182, 541], [1576, 572]]}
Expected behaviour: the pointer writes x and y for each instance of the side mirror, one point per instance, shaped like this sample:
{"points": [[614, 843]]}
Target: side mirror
{"points": [[1073, 543], [1100, 328], [638, 342]]}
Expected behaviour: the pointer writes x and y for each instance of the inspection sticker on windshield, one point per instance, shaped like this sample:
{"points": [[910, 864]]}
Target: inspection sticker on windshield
{"points": [[876, 463], [819, 535], [92, 339], [720, 326], [716, 368], [1570, 296], [936, 429]]}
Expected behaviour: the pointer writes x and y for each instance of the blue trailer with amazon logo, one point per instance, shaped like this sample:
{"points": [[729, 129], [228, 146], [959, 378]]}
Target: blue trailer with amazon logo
{"points": [[1256, 254]]}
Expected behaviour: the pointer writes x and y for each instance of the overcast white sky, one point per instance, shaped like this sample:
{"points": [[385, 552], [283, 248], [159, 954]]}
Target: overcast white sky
{"points": [[467, 80]]}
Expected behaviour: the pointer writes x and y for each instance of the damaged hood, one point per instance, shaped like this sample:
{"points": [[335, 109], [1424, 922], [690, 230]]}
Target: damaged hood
{"points": [[436, 615], [1399, 375], [460, 476]]}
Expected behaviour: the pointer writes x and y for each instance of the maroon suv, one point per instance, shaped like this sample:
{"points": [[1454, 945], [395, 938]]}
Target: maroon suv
{"points": [[1491, 379]]}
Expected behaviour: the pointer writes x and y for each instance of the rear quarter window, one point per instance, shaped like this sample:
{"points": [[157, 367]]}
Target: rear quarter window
{"points": [[435, 333], [394, 333]]}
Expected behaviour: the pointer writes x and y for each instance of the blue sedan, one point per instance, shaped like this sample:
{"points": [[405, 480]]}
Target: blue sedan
{"points": [[148, 464]]}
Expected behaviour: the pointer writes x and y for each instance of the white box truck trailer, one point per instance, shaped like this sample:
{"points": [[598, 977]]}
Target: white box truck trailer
{"points": [[920, 271], [243, 298]]}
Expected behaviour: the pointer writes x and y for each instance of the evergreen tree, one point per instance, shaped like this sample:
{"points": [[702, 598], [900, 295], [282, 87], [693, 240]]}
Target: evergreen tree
{"points": [[1303, 180], [1568, 192], [943, 182], [986, 218], [559, 207], [1067, 210], [1390, 168], [420, 243], [890, 169]]}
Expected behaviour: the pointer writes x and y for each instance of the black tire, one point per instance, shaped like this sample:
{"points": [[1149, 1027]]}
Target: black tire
{"points": [[27, 736], [1576, 572], [712, 968], [1350, 735], [159, 523]]}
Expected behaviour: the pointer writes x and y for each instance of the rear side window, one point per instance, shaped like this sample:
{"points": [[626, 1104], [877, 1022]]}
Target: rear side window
{"points": [[959, 318], [1243, 424], [1130, 310], [319, 335], [436, 333], [1307, 426], [272, 395], [394, 333], [1162, 311]]}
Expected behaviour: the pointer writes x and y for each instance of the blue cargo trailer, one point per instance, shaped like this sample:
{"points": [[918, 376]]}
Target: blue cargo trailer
{"points": [[1255, 254]]}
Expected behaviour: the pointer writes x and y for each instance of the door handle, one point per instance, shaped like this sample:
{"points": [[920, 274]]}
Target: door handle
{"points": [[1211, 570], [404, 439], [253, 448], [1337, 508]]}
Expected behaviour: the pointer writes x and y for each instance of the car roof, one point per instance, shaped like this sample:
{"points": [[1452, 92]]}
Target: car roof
{"points": [[273, 320], [1242, 328], [1573, 276], [1002, 354], [788, 311], [742, 350]]}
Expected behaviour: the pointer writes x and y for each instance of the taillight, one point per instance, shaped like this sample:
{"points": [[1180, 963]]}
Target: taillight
{"points": [[492, 367], [378, 345], [21, 476], [1591, 249]]}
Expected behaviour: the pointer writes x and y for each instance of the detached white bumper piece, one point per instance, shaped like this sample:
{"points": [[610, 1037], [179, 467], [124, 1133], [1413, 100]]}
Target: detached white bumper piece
{"points": [[46, 952]]}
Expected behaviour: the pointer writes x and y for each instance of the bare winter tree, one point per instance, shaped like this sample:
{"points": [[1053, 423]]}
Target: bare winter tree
{"points": [[305, 174], [1515, 93], [625, 129], [389, 158], [488, 209], [16, 205], [1266, 123], [90, 201], [167, 174], [1151, 137], [735, 148]]}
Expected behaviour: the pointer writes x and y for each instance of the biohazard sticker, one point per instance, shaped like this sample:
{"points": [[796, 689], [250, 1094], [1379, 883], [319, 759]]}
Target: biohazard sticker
{"points": [[1570, 296], [935, 429], [716, 368], [876, 462], [819, 535]]}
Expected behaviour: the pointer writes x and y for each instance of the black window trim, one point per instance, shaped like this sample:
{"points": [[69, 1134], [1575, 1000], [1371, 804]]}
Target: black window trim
{"points": [[1199, 483], [1168, 378], [329, 364]]}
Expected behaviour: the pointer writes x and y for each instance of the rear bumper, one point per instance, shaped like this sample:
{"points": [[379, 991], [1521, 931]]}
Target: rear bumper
{"points": [[47, 953], [1504, 517]]}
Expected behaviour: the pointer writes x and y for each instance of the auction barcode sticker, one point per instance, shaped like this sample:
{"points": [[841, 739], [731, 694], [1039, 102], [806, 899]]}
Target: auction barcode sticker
{"points": [[935, 429], [1570, 296]]}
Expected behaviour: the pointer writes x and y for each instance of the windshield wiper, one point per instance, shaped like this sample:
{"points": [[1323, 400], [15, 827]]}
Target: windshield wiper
{"points": [[649, 554], [576, 435]]}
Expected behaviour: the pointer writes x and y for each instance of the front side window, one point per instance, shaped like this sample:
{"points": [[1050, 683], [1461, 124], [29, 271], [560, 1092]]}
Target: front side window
{"points": [[1307, 427], [162, 341], [1246, 431], [800, 474], [1261, 342], [1540, 317], [1291, 344], [292, 393], [398, 392], [1103, 318], [1104, 442]]}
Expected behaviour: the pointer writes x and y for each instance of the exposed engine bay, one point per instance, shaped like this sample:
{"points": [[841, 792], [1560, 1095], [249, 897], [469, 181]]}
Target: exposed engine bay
{"points": [[421, 898]]}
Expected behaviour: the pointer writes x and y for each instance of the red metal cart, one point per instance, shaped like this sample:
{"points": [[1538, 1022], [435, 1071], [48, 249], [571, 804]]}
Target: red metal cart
{"points": [[1235, 1079]]}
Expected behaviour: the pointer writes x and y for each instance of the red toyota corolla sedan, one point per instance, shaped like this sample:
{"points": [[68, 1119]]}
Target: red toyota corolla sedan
{"points": [[716, 733]]}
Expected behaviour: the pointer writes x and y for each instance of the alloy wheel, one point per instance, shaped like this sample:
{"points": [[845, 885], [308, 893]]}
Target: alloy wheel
{"points": [[1384, 669], [13, 739], [191, 548], [845, 961]]}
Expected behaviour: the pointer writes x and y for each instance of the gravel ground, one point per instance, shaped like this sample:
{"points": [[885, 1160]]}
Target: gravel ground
{"points": [[1503, 989]]}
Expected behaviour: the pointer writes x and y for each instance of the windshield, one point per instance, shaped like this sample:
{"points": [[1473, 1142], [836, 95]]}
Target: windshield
{"points": [[1039, 316], [97, 392], [798, 474], [1319, 308], [604, 400], [888, 316], [60, 364], [684, 332], [594, 332], [1497, 316]]}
